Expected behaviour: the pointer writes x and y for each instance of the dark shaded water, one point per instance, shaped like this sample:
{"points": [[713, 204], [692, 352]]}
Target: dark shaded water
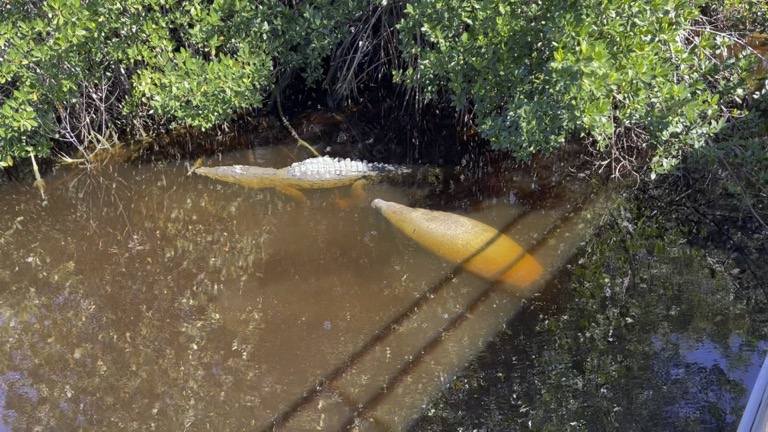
{"points": [[142, 298], [648, 332]]}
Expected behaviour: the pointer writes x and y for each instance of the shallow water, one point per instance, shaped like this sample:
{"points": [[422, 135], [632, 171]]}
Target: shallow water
{"points": [[139, 297]]}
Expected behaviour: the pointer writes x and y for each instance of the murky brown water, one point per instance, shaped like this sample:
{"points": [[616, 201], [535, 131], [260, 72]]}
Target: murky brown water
{"points": [[142, 298]]}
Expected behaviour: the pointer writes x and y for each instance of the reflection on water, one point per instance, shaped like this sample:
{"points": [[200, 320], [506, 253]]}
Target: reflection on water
{"points": [[142, 298]]}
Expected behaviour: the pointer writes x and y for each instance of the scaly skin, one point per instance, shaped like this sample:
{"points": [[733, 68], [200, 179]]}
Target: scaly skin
{"points": [[314, 173]]}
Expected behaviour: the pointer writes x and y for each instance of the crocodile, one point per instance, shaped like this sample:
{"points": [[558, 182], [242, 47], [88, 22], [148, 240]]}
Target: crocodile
{"points": [[314, 173]]}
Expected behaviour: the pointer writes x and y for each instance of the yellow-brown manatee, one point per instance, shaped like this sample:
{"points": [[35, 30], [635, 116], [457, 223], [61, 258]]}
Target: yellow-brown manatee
{"points": [[478, 247]]}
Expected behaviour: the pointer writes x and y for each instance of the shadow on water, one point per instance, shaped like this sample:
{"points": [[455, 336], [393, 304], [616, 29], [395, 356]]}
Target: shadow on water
{"points": [[141, 297], [647, 333]]}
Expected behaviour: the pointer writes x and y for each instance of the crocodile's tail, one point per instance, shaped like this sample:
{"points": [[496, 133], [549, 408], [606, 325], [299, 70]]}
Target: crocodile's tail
{"points": [[476, 246]]}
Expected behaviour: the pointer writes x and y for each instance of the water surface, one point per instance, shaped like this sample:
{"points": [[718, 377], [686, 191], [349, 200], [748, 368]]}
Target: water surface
{"points": [[139, 297]]}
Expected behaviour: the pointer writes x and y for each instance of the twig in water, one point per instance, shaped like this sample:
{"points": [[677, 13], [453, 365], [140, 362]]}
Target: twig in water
{"points": [[291, 130]]}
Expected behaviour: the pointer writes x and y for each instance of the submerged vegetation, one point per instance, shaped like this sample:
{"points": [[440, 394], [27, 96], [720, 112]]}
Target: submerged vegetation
{"points": [[638, 83]]}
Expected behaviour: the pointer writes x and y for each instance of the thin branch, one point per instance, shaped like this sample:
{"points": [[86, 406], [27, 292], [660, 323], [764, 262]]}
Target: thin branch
{"points": [[730, 36], [39, 182], [291, 130]]}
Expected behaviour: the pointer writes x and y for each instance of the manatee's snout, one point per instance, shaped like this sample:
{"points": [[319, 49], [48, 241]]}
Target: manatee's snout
{"points": [[388, 208], [377, 203]]}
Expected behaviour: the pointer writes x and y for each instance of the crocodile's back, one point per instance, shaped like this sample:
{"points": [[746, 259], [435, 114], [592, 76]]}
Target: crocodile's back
{"points": [[316, 173], [327, 168]]}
